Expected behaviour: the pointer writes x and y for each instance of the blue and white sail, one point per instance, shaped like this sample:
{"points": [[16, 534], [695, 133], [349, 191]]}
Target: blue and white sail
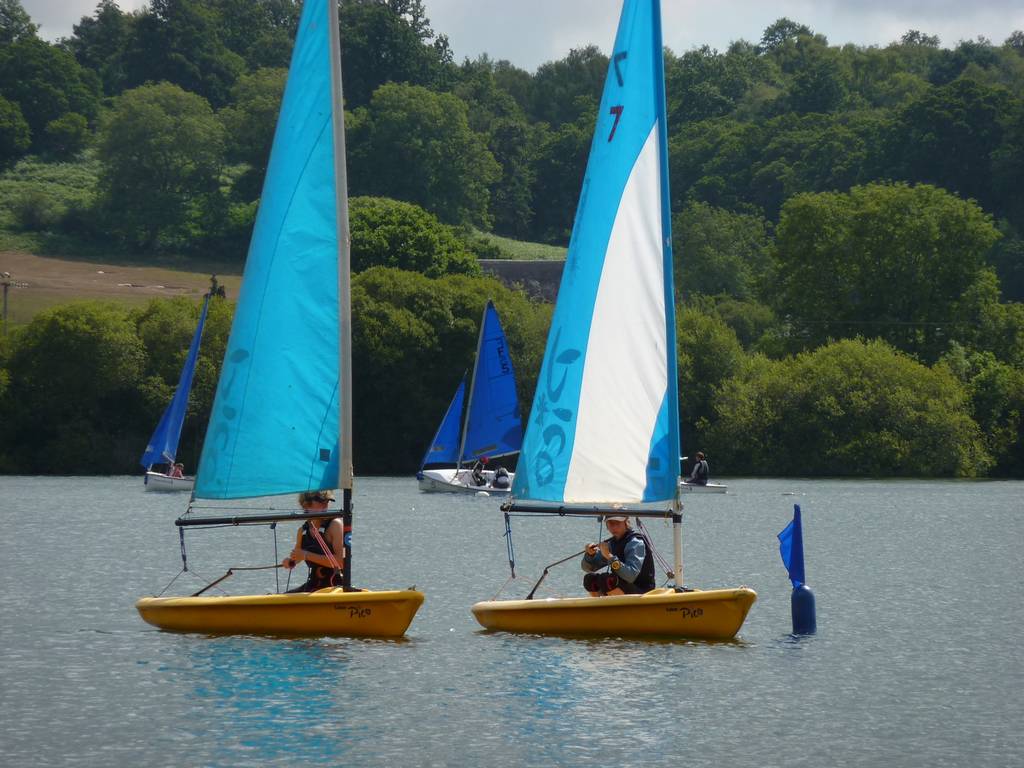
{"points": [[604, 426], [493, 424], [444, 448], [163, 445], [274, 427]]}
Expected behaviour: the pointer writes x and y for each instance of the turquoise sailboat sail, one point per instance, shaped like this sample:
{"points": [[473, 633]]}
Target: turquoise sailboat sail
{"points": [[604, 426], [493, 425], [444, 448], [163, 445], [274, 427]]}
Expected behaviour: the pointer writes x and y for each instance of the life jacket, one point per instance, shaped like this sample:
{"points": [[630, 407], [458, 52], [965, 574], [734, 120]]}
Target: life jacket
{"points": [[320, 576], [645, 579], [702, 473]]}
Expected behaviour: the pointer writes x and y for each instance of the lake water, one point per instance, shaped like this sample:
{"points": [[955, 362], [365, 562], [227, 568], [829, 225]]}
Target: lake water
{"points": [[917, 660]]}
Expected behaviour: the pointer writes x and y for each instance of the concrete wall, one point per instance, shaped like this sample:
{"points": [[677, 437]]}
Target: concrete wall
{"points": [[538, 278]]}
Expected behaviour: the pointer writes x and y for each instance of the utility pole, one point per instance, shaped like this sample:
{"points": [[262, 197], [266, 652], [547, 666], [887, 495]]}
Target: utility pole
{"points": [[6, 282]]}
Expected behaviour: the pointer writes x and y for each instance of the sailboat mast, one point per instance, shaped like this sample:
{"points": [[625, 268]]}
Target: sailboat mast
{"points": [[344, 262], [345, 470], [472, 386]]}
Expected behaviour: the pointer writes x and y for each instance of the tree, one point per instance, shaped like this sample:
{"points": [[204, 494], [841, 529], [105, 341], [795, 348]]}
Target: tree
{"points": [[72, 404], [249, 125], [46, 83], [558, 168], [389, 233], [949, 135], [99, 43], [415, 145], [563, 90], [718, 252], [709, 354], [179, 41], [15, 136], [261, 31], [996, 392], [15, 23], [161, 151], [851, 408], [887, 260], [66, 136], [780, 32], [389, 41]]}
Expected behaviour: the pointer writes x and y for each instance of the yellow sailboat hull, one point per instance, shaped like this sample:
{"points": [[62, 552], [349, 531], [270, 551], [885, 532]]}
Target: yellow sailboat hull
{"points": [[715, 614], [324, 612]]}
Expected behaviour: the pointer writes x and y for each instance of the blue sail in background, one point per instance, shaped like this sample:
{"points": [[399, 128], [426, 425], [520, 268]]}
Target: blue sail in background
{"points": [[274, 427], [444, 449], [604, 427], [493, 425], [163, 445]]}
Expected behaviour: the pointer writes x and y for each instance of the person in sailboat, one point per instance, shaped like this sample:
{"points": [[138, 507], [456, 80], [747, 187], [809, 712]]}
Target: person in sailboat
{"points": [[320, 543], [478, 472], [501, 478], [699, 475], [177, 470], [628, 558]]}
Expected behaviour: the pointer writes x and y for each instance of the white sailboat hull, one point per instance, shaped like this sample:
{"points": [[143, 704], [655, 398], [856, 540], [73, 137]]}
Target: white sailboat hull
{"points": [[156, 481], [460, 481], [686, 487]]}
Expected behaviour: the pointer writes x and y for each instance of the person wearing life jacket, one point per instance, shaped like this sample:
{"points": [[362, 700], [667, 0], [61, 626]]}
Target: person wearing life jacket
{"points": [[629, 561], [501, 478], [699, 475], [478, 472], [308, 548]]}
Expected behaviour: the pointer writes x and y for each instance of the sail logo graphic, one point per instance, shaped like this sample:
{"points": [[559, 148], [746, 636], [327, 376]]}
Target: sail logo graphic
{"points": [[554, 434], [504, 366]]}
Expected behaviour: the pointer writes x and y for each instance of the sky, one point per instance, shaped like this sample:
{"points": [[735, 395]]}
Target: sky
{"points": [[531, 32]]}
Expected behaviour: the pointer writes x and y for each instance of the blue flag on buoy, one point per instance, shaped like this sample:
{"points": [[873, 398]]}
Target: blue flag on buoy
{"points": [[791, 547]]}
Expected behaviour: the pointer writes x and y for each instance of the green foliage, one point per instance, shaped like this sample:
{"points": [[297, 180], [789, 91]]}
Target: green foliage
{"points": [[996, 391], [46, 83], [889, 260], [261, 31], [388, 233], [180, 41], [413, 338], [559, 166], [35, 210], [507, 248], [847, 409], [99, 43], [153, 194], [66, 136], [15, 23], [15, 136], [72, 403], [719, 252], [415, 145], [709, 354], [389, 41], [566, 89], [249, 125]]}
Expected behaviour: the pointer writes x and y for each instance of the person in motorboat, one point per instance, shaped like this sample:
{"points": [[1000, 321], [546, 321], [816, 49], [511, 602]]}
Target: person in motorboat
{"points": [[501, 478], [628, 558], [309, 542], [699, 475], [176, 470], [478, 472]]}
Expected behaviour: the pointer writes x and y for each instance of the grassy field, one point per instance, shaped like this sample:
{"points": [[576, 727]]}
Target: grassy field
{"points": [[41, 282], [519, 249]]}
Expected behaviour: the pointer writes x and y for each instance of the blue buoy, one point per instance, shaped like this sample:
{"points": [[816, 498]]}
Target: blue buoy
{"points": [[801, 603], [791, 547]]}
